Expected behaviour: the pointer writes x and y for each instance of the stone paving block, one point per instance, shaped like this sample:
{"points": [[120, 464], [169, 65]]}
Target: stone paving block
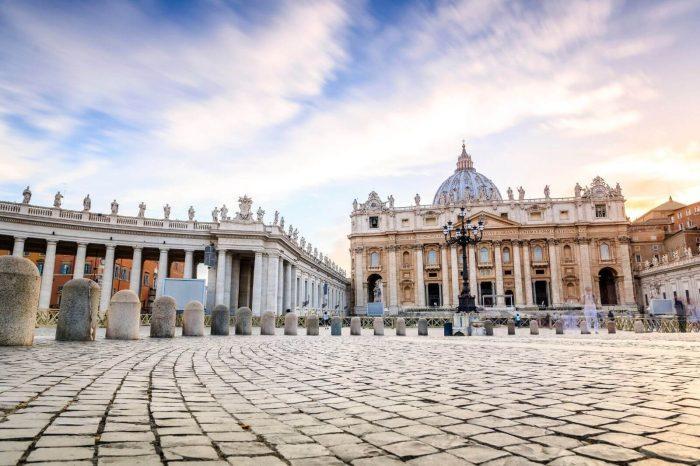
{"points": [[255, 461], [609, 453], [244, 448], [537, 452], [296, 451], [672, 452], [190, 452], [61, 454], [478, 453]]}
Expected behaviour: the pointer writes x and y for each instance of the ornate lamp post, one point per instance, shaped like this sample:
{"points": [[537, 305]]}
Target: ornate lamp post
{"points": [[464, 234]]}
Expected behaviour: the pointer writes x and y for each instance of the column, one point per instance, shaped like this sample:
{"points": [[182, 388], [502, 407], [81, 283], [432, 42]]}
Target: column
{"points": [[107, 276], [585, 262], [257, 284], [18, 247], [500, 301], [273, 261], [393, 285], [445, 276], [359, 281], [280, 286], [528, 274], [47, 275], [554, 272], [235, 282], [79, 266], [628, 292], [162, 271], [135, 279], [471, 262], [287, 302], [211, 288], [189, 269], [293, 301], [454, 265], [420, 284], [518, 273], [221, 277]]}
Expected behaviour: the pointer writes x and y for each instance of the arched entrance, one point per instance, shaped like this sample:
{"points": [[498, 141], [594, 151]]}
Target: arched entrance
{"points": [[608, 290], [371, 284]]}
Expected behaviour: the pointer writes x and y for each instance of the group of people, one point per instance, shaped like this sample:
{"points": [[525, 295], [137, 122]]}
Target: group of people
{"points": [[590, 313]]}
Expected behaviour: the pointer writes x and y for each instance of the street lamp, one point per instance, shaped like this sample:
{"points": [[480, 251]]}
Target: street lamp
{"points": [[464, 233]]}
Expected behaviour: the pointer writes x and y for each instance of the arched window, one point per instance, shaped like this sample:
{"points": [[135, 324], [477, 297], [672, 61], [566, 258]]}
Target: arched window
{"points": [[432, 257], [374, 259], [537, 254], [567, 252], [406, 258], [483, 255], [604, 251], [506, 255]]}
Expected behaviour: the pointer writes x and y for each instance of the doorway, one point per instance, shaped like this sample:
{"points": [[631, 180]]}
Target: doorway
{"points": [[434, 295], [541, 293], [486, 293], [608, 289]]}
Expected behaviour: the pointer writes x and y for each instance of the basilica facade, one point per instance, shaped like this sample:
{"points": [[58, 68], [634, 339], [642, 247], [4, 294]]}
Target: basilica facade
{"points": [[536, 252]]}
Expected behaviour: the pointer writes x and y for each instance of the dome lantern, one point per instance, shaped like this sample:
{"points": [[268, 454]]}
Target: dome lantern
{"points": [[466, 184]]}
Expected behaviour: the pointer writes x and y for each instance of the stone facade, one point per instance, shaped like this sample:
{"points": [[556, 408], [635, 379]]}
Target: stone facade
{"points": [[541, 251]]}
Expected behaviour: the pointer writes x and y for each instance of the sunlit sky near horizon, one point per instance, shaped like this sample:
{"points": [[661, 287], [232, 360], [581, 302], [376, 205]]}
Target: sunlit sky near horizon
{"points": [[305, 106]]}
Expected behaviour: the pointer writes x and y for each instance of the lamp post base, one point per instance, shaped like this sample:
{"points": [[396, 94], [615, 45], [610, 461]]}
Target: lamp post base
{"points": [[466, 303]]}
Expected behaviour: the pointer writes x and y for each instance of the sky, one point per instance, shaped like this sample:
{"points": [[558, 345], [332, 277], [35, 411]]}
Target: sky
{"points": [[305, 106]]}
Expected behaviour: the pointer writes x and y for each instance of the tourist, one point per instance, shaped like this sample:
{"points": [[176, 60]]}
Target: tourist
{"points": [[589, 310], [680, 314], [326, 318], [517, 319], [693, 311]]}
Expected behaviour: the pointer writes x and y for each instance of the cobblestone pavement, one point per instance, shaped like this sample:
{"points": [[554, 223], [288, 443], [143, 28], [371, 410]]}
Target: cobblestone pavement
{"points": [[365, 400]]}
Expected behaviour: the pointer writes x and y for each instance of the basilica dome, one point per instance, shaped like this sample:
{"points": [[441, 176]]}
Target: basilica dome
{"points": [[466, 184]]}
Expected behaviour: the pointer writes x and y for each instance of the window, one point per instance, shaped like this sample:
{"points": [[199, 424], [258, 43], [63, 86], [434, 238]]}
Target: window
{"points": [[504, 215], [404, 222], [538, 254], [406, 259], [432, 258], [146, 279], [604, 252], [535, 215], [87, 269], [654, 247], [564, 214], [116, 272], [374, 259], [483, 255], [567, 253], [374, 222], [430, 221], [601, 211], [40, 266], [506, 255], [407, 293], [65, 268], [638, 258]]}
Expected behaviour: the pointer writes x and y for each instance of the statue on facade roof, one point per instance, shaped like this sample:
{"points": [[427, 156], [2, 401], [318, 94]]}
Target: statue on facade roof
{"points": [[276, 220], [521, 193], [416, 199], [224, 212], [114, 206], [26, 195], [546, 191], [354, 205], [282, 223], [142, 209], [510, 193], [87, 203], [57, 200], [244, 205], [215, 214], [190, 213], [302, 242], [166, 211], [391, 201], [577, 190], [295, 235], [260, 214], [291, 229], [618, 189]]}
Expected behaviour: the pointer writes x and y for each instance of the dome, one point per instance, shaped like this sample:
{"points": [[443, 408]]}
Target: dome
{"points": [[466, 184]]}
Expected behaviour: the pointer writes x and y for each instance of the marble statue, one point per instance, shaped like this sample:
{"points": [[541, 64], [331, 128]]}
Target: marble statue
{"points": [[315, 252], [577, 190], [224, 212], [87, 203], [190, 213], [295, 235], [354, 205], [546, 191], [26, 195], [391, 201], [215, 215], [521, 193], [618, 189], [291, 229], [378, 291], [57, 200], [276, 220], [115, 207], [142, 209], [244, 205], [282, 223], [302, 242], [510, 193], [166, 211], [416, 199], [260, 214]]}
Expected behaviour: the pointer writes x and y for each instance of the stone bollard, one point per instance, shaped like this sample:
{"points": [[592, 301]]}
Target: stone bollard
{"points": [[638, 326], [511, 327], [584, 328], [163, 317], [559, 327], [534, 327], [77, 318], [355, 326], [220, 320], [267, 323], [422, 327], [193, 320], [123, 316], [488, 328], [400, 327], [336, 326], [244, 321], [290, 324], [312, 325], [19, 299], [378, 325], [611, 327]]}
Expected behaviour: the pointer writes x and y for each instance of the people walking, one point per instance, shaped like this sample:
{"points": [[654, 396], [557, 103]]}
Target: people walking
{"points": [[589, 310], [517, 319], [326, 318]]}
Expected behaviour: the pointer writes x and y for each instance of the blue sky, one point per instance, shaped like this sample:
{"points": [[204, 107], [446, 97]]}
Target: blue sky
{"points": [[306, 105]]}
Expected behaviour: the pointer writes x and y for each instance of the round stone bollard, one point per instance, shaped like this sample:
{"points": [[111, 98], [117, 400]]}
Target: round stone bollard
{"points": [[124, 316], [244, 321], [488, 328], [267, 323], [611, 327], [534, 327], [511, 327], [312, 325], [400, 327], [193, 320], [422, 327], [584, 328], [220, 320], [336, 326], [291, 323], [163, 317], [378, 325], [77, 318], [19, 300], [559, 327], [638, 326], [355, 326]]}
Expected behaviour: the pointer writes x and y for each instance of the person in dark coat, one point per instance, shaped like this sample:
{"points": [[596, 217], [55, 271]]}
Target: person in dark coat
{"points": [[680, 314]]}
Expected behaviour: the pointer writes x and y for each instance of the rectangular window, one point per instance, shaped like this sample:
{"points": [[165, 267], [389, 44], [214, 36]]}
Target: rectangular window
{"points": [[87, 269], [504, 215], [601, 211], [430, 221], [564, 214], [539, 271], [535, 216], [374, 222], [638, 258], [646, 300], [404, 222], [65, 268]]}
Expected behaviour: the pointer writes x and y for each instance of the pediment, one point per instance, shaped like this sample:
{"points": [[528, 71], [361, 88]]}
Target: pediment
{"points": [[493, 221]]}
